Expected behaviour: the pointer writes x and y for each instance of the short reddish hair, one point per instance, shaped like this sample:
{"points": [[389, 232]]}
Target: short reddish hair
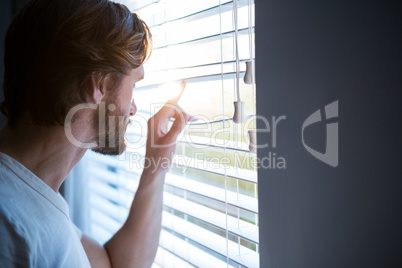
{"points": [[53, 47]]}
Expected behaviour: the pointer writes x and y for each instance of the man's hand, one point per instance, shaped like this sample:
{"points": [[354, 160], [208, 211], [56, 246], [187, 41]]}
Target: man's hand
{"points": [[161, 142]]}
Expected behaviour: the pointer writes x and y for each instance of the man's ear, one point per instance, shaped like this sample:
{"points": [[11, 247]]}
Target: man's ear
{"points": [[96, 89]]}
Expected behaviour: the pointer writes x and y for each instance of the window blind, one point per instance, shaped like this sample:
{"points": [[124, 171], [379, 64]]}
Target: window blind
{"points": [[210, 216]]}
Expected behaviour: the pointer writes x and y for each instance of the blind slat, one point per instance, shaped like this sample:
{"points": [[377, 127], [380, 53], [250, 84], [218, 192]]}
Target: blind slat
{"points": [[188, 251], [206, 143], [160, 13], [234, 251], [118, 213], [208, 51], [104, 221], [235, 226], [237, 200], [117, 196], [218, 169], [114, 211], [166, 259], [131, 182], [207, 72]]}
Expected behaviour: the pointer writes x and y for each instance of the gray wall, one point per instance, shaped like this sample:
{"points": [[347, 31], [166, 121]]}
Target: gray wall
{"points": [[309, 54]]}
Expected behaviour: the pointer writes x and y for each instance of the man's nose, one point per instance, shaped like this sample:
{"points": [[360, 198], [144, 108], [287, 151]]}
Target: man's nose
{"points": [[133, 108]]}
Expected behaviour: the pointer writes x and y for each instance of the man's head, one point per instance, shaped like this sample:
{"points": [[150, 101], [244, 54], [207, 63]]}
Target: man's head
{"points": [[56, 49], [110, 120]]}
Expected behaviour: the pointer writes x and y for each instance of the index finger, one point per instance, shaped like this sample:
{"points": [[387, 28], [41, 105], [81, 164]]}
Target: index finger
{"points": [[176, 99]]}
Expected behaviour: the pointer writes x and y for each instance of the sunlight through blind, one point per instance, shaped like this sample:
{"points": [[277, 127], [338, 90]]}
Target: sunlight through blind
{"points": [[210, 216]]}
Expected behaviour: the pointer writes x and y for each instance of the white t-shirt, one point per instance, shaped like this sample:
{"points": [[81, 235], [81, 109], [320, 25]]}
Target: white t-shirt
{"points": [[35, 227]]}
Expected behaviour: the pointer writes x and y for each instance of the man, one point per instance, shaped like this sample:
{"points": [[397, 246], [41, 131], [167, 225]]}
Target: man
{"points": [[60, 54]]}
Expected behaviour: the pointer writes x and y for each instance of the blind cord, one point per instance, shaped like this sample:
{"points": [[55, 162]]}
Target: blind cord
{"points": [[250, 33], [235, 17], [250, 41], [223, 125]]}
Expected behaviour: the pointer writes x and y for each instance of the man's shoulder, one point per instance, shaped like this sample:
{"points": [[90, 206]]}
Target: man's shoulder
{"points": [[14, 248], [14, 202], [8, 191], [10, 188], [17, 227], [10, 211], [9, 180], [15, 193]]}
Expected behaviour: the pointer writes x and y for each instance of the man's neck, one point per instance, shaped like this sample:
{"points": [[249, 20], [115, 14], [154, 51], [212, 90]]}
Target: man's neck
{"points": [[45, 151]]}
